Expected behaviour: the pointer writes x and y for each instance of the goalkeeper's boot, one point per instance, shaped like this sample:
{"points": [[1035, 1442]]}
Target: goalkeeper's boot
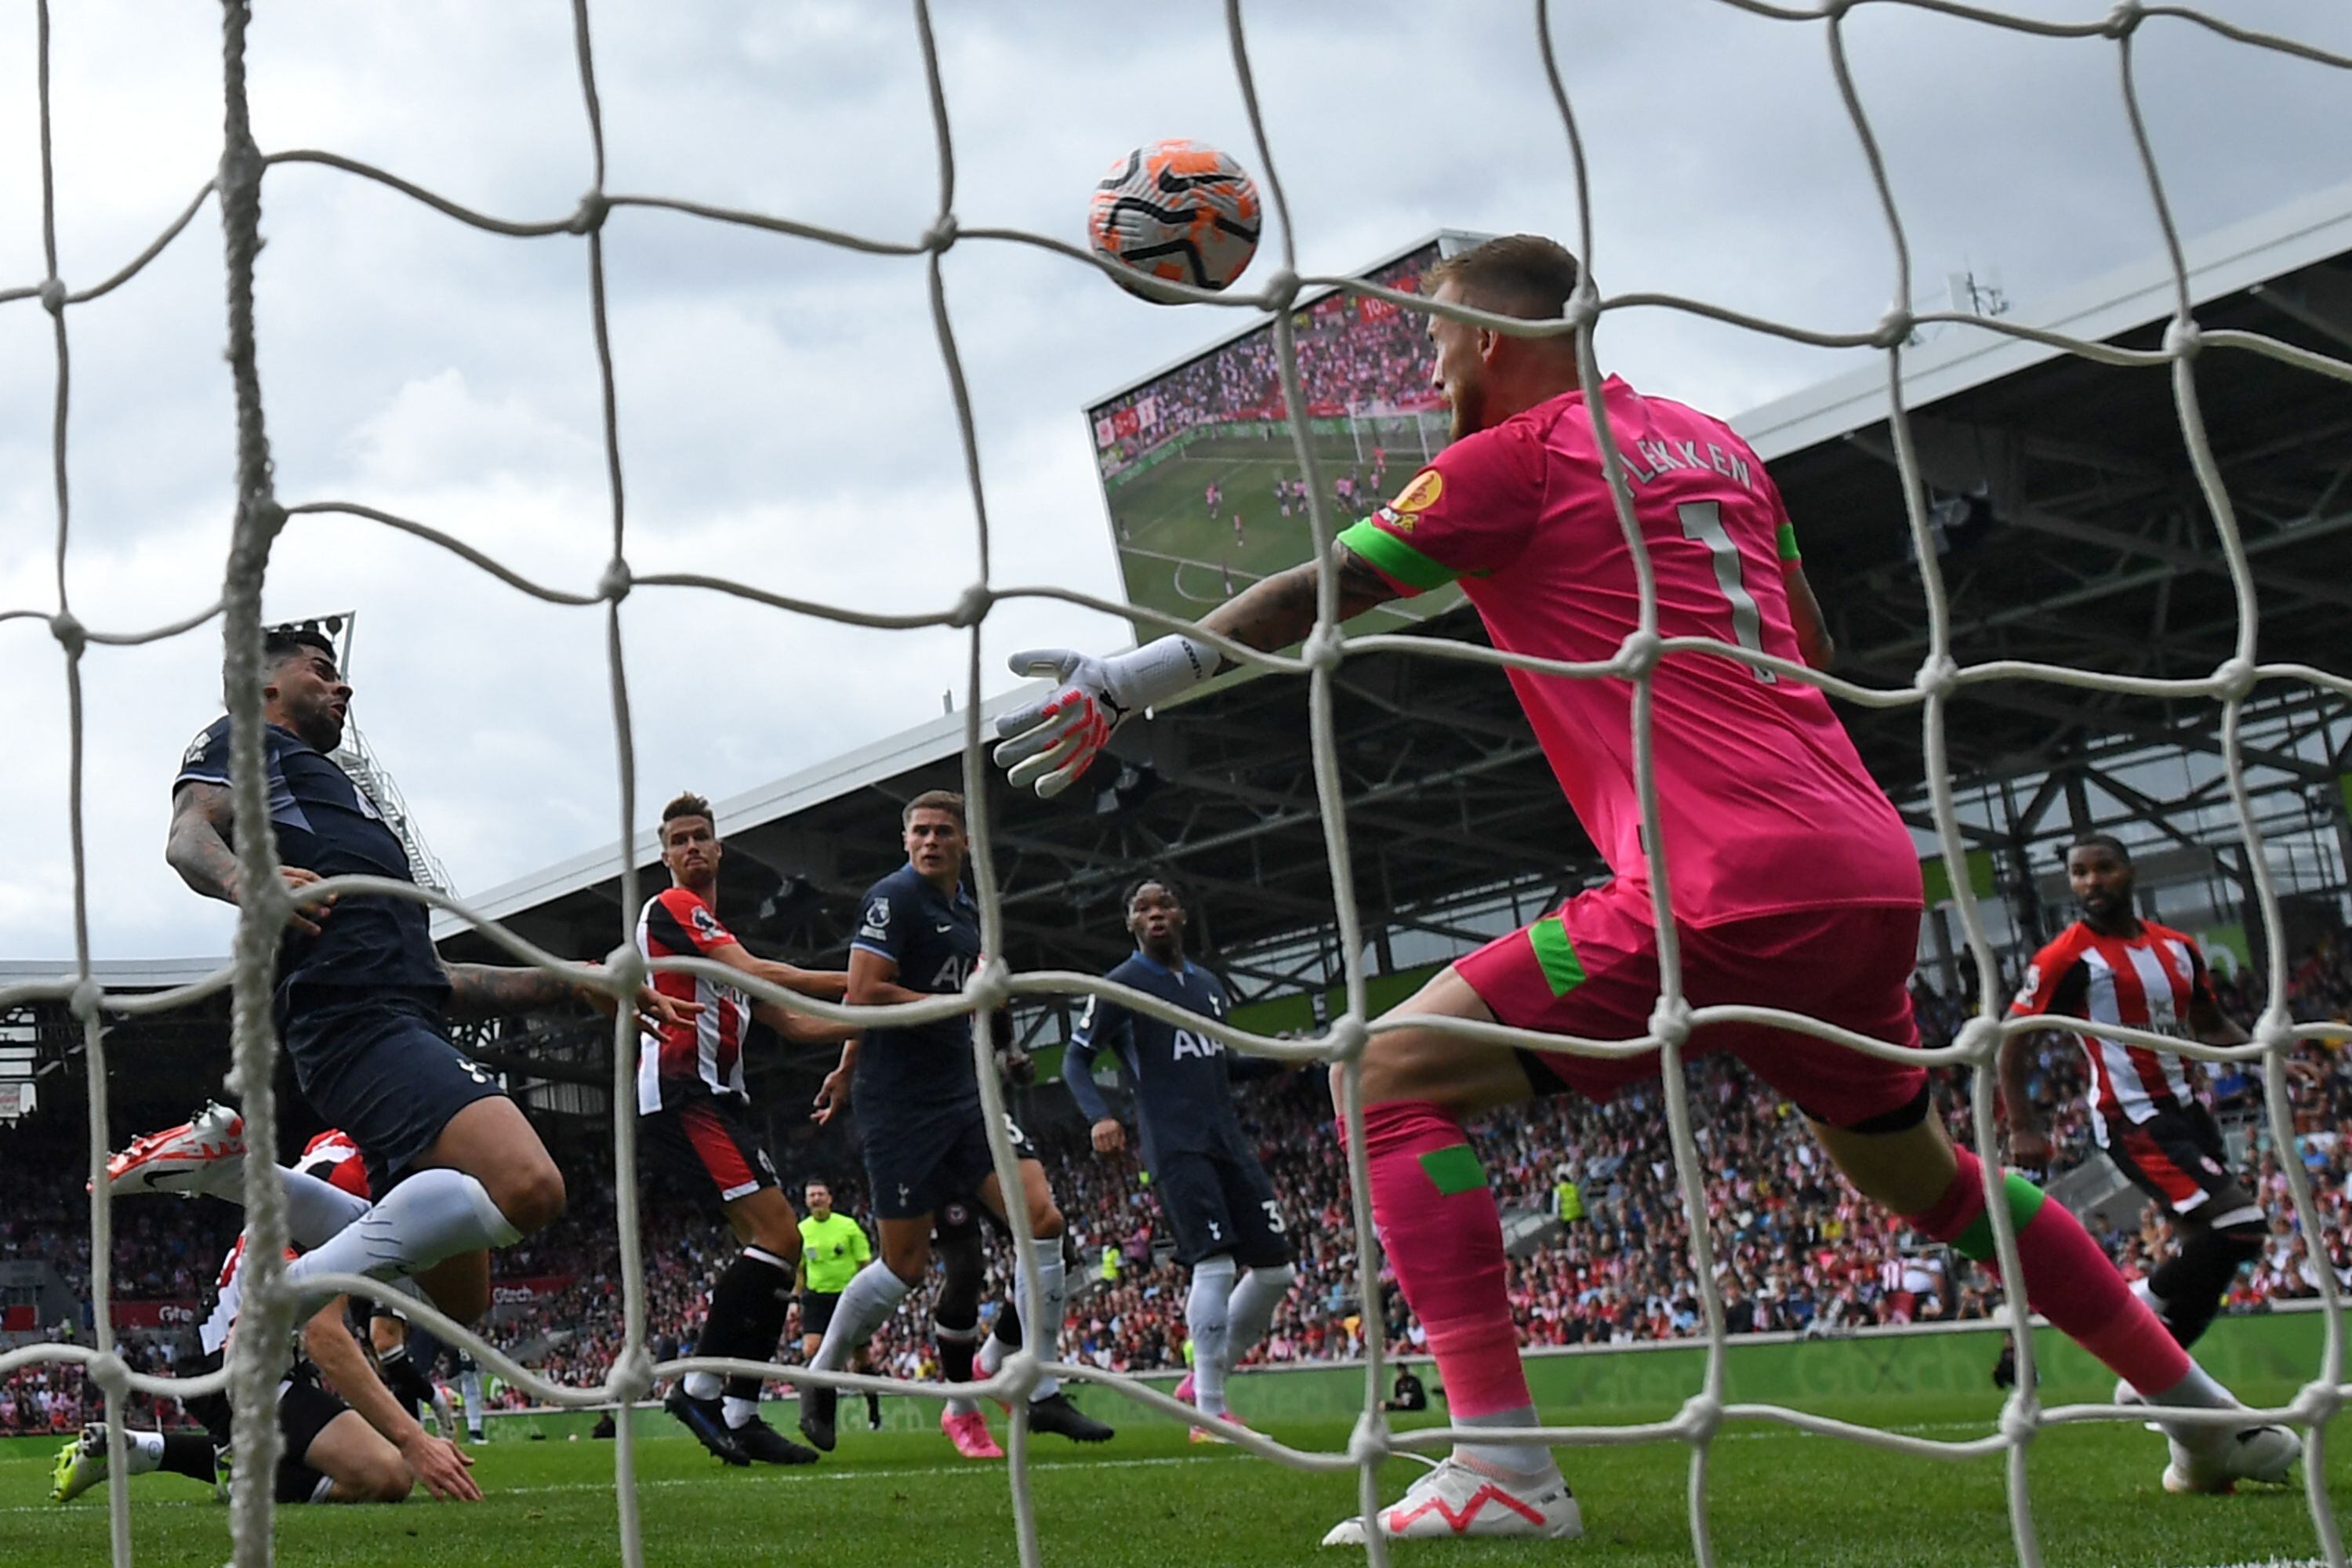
{"points": [[764, 1445], [198, 1156], [1055, 1414], [80, 1463], [817, 1406], [703, 1417], [969, 1432], [1457, 1499], [2215, 1460]]}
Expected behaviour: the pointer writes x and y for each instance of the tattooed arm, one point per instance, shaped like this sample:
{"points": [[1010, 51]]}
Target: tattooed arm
{"points": [[1277, 611], [204, 816]]}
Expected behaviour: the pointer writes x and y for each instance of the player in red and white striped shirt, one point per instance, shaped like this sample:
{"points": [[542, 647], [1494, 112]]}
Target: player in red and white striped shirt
{"points": [[2112, 967], [690, 1097]]}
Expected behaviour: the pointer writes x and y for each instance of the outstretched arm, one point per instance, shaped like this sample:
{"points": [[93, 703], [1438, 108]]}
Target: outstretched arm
{"points": [[824, 985], [1050, 743], [439, 1463]]}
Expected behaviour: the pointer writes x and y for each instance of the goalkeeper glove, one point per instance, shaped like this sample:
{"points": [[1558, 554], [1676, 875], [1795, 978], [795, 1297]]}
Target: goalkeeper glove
{"points": [[1050, 743]]}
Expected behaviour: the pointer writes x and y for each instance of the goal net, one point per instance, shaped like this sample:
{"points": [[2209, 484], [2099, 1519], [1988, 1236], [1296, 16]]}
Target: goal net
{"points": [[256, 1364]]}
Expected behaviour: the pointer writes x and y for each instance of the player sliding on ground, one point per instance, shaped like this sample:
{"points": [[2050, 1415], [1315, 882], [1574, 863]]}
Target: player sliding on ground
{"points": [[360, 997], [357, 1442], [2112, 967], [1793, 882], [690, 1099], [1228, 1223], [923, 1133]]}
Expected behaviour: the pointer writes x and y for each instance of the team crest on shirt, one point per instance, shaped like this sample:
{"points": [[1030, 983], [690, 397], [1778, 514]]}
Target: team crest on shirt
{"points": [[1421, 494]]}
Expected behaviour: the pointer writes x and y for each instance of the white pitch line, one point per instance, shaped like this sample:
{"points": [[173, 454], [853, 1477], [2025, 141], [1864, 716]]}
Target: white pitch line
{"points": [[797, 1474]]}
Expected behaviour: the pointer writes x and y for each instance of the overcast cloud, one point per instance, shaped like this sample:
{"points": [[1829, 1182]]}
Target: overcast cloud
{"points": [[783, 416]]}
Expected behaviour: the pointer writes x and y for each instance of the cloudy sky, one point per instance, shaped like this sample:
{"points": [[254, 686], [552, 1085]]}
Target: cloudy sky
{"points": [[783, 416]]}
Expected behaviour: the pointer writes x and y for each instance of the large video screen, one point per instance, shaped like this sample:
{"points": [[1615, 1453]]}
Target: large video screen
{"points": [[1200, 471]]}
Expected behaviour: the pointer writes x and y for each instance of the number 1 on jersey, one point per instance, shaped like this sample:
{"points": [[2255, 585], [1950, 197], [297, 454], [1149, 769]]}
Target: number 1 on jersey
{"points": [[1703, 521]]}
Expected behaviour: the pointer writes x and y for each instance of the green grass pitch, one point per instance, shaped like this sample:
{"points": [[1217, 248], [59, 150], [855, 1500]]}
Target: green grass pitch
{"points": [[1149, 1498], [1175, 557]]}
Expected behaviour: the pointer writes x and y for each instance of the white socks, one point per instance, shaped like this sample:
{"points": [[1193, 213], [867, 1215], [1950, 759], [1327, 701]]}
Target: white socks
{"points": [[873, 1295], [1207, 1317], [435, 1214], [1249, 1311], [1041, 1321], [1516, 1459], [315, 1210]]}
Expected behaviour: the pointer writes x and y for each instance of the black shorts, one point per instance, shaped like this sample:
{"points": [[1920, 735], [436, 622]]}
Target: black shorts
{"points": [[376, 1063], [816, 1310], [706, 1139], [919, 1168], [2179, 1159], [304, 1410], [1220, 1203]]}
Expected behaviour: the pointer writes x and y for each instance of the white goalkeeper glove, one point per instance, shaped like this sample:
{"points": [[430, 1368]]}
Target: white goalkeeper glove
{"points": [[1050, 743]]}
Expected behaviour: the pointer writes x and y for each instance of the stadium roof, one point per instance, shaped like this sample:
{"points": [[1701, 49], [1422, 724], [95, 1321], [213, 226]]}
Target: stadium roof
{"points": [[1443, 775], [2088, 544]]}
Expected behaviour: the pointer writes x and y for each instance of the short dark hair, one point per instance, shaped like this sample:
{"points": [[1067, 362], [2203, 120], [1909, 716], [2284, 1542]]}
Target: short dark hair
{"points": [[1517, 275], [945, 800], [687, 803], [2107, 841], [1127, 899], [279, 644]]}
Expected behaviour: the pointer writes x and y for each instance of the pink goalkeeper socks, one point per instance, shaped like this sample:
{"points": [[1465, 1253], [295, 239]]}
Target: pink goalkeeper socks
{"points": [[2067, 1278], [1445, 1240]]}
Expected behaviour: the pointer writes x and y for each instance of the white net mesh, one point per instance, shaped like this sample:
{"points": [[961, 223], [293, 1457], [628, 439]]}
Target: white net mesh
{"points": [[252, 1375]]}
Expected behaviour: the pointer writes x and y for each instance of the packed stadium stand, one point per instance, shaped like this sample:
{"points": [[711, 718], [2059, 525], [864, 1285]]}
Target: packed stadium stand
{"points": [[1796, 1250]]}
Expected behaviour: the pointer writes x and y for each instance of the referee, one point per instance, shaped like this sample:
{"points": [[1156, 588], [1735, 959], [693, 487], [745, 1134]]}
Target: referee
{"points": [[833, 1249]]}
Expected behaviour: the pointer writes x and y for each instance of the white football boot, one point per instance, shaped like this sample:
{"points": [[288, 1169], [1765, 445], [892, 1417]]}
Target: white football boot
{"points": [[1456, 1499], [2215, 1459], [196, 1157]]}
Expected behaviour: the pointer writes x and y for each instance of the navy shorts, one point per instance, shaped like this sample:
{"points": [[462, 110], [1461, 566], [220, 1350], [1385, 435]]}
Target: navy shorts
{"points": [[1220, 1203], [920, 1168], [376, 1063]]}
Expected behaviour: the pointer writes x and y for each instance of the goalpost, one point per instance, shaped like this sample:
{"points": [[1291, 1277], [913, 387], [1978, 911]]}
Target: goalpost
{"points": [[255, 1366]]}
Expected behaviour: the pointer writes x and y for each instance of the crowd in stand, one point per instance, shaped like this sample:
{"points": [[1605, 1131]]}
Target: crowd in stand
{"points": [[1352, 355], [1794, 1247]]}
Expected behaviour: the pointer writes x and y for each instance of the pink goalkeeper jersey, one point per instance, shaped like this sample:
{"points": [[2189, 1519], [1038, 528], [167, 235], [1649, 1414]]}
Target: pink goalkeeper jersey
{"points": [[1765, 804]]}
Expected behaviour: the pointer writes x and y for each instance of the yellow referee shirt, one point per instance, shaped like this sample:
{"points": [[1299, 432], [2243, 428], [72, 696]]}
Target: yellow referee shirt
{"points": [[833, 1249]]}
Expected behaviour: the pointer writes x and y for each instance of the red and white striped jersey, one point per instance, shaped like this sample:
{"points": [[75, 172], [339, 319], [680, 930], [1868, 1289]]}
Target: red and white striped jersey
{"points": [[2148, 981], [333, 1158], [704, 1055]]}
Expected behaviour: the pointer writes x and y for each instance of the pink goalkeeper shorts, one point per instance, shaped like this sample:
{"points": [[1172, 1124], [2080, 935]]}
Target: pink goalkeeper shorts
{"points": [[1591, 969]]}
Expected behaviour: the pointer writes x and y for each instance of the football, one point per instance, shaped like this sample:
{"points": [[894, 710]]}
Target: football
{"points": [[1178, 211]]}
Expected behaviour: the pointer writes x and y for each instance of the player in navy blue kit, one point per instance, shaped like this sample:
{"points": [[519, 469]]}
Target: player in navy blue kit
{"points": [[361, 997], [1210, 1186], [920, 1125]]}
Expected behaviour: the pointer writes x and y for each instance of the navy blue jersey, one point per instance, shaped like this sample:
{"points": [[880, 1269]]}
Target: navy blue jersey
{"points": [[326, 824], [1182, 1085], [934, 938]]}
